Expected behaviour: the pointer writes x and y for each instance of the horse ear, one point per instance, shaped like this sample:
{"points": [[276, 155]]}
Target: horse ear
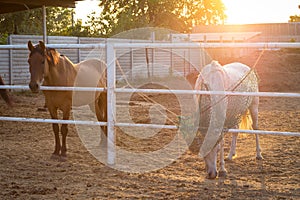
{"points": [[53, 56], [30, 46], [215, 66], [42, 45]]}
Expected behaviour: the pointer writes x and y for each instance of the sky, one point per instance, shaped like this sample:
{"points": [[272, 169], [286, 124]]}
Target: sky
{"points": [[260, 11], [237, 11], [83, 8]]}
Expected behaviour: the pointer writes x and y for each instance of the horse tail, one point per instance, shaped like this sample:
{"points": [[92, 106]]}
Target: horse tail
{"points": [[4, 93], [246, 122]]}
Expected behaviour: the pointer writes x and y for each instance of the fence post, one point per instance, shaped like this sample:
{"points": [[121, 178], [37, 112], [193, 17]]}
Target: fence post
{"points": [[152, 53], [10, 62], [45, 39], [189, 56], [131, 62], [78, 50], [171, 56], [111, 103]]}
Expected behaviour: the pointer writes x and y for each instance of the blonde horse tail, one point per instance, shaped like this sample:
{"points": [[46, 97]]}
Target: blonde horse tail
{"points": [[246, 122]]}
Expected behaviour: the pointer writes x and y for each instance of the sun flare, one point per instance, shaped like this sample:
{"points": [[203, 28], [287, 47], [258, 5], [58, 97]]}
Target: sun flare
{"points": [[84, 8], [237, 11], [260, 11]]}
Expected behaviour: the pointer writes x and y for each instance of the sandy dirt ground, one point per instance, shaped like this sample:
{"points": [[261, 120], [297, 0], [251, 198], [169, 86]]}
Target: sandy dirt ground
{"points": [[27, 172]]}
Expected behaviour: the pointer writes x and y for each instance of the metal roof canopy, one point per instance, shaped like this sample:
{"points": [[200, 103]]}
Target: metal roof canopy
{"points": [[7, 6]]}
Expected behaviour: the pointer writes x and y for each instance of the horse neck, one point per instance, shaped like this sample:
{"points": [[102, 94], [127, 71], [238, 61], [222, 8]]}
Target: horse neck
{"points": [[62, 74]]}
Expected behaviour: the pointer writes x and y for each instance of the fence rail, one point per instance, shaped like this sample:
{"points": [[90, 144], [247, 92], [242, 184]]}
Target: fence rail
{"points": [[180, 57], [163, 91], [266, 45], [158, 126]]}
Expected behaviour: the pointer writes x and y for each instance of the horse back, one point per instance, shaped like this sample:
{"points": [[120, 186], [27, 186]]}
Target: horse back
{"points": [[236, 71], [243, 79], [90, 73], [236, 78]]}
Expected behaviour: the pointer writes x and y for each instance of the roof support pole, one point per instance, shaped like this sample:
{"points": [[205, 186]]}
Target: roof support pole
{"points": [[44, 24]]}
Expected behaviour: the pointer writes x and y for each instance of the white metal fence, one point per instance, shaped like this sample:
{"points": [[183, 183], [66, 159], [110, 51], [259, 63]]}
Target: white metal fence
{"points": [[14, 66], [112, 90]]}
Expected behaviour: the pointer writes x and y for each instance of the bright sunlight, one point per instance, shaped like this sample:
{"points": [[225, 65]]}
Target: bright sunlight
{"points": [[237, 11], [84, 8], [260, 11]]}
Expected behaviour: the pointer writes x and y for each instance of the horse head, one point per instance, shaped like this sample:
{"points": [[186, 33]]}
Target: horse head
{"points": [[212, 110], [192, 77], [40, 60]]}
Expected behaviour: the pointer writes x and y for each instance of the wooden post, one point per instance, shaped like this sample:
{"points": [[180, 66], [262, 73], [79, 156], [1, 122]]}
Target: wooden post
{"points": [[44, 24]]}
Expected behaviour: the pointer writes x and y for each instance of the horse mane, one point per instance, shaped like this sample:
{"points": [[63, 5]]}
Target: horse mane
{"points": [[215, 66], [51, 53]]}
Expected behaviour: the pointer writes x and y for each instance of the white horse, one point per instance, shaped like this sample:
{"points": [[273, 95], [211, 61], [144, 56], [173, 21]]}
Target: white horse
{"points": [[220, 112]]}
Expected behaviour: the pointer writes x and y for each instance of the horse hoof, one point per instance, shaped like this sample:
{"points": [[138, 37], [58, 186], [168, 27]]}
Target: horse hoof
{"points": [[63, 158], [230, 158], [55, 157], [42, 109], [259, 157], [222, 174]]}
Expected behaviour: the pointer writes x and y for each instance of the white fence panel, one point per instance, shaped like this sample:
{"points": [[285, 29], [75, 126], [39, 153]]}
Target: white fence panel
{"points": [[180, 60], [4, 65]]}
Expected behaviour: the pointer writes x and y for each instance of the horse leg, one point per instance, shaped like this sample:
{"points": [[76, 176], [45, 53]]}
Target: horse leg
{"points": [[254, 115], [101, 113], [55, 127], [102, 102], [64, 132], [222, 171], [232, 151]]}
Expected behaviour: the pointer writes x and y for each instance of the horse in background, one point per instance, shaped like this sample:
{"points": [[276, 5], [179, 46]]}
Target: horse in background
{"points": [[48, 68], [214, 77], [4, 94]]}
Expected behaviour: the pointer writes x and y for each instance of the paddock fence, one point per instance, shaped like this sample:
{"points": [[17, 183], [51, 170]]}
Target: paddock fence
{"points": [[14, 66], [110, 49]]}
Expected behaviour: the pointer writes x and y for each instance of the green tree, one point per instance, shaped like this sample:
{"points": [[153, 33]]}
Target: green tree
{"points": [[59, 22], [28, 22], [116, 16], [179, 15], [294, 18]]}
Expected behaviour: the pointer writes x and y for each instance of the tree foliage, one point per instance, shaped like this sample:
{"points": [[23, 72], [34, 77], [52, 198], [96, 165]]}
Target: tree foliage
{"points": [[179, 15], [59, 22], [116, 16], [28, 22], [294, 18]]}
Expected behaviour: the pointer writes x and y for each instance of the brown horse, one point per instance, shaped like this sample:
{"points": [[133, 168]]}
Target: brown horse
{"points": [[49, 68], [4, 94]]}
